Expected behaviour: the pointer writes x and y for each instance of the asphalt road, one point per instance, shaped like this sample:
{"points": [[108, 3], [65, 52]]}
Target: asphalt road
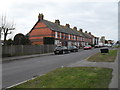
{"points": [[17, 71]]}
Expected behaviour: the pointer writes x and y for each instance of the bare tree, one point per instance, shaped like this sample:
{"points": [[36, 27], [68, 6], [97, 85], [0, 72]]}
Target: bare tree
{"points": [[6, 28]]}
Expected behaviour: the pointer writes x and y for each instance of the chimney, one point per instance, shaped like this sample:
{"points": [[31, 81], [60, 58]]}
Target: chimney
{"points": [[85, 31], [75, 28], [40, 16], [57, 22], [81, 30], [90, 33], [67, 25]]}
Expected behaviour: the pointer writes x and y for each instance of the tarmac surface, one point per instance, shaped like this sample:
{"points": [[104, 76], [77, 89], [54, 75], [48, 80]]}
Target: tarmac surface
{"points": [[82, 63]]}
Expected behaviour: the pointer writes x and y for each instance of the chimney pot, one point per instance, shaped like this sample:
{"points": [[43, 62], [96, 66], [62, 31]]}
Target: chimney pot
{"points": [[75, 28], [81, 30], [40, 16], [67, 25], [57, 22], [85, 31], [90, 33]]}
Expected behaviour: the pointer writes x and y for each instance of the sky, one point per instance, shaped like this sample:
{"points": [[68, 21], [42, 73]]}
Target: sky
{"points": [[100, 17]]}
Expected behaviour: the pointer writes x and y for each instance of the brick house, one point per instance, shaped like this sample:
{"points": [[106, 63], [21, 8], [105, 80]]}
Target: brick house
{"points": [[64, 35], [95, 40], [92, 39]]}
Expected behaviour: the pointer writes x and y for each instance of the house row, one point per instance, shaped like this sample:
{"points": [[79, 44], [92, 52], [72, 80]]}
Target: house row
{"points": [[63, 35]]}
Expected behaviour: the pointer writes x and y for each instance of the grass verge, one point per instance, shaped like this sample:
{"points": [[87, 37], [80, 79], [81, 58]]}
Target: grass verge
{"points": [[108, 57], [72, 77]]}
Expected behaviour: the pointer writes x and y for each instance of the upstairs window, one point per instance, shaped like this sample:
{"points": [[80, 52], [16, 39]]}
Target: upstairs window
{"points": [[56, 34], [60, 35], [69, 36], [64, 36], [74, 37]]}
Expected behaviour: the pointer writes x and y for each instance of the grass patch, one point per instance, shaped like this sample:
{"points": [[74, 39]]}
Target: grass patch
{"points": [[108, 57], [72, 77]]}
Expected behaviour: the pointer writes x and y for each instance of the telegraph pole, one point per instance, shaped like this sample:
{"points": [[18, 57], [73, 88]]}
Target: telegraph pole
{"points": [[0, 34]]}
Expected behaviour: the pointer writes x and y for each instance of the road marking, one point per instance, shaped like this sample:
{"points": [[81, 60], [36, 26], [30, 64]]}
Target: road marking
{"points": [[25, 81], [87, 58]]}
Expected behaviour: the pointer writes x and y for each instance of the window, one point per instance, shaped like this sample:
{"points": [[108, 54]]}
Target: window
{"points": [[56, 34], [69, 36], [83, 39], [74, 37], [64, 36], [60, 35]]}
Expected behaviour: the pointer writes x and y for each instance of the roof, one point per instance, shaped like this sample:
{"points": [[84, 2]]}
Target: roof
{"points": [[60, 28], [84, 34], [88, 35]]}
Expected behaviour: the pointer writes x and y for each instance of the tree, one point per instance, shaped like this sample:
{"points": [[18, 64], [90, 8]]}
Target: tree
{"points": [[6, 28], [27, 40], [9, 42], [20, 39]]}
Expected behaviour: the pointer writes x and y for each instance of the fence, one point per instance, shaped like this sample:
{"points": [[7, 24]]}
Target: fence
{"points": [[18, 50]]}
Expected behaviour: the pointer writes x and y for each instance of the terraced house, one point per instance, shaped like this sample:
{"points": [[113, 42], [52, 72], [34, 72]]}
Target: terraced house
{"points": [[63, 35]]}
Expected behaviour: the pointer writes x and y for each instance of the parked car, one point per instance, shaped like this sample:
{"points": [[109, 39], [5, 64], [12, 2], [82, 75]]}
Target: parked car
{"points": [[61, 50], [87, 47], [72, 48], [109, 45], [97, 46]]}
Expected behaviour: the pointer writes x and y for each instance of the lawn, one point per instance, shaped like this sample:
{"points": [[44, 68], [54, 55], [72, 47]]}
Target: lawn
{"points": [[72, 77], [108, 57]]}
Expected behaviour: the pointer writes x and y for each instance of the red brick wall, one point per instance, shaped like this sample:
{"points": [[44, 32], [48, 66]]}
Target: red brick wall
{"points": [[40, 24], [38, 32]]}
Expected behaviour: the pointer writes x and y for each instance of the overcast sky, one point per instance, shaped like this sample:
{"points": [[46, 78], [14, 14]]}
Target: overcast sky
{"points": [[100, 17]]}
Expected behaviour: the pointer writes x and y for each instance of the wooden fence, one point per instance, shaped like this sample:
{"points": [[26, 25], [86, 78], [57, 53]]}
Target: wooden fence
{"points": [[18, 50]]}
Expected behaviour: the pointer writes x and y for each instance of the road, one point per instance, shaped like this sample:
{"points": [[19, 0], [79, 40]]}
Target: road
{"points": [[20, 70]]}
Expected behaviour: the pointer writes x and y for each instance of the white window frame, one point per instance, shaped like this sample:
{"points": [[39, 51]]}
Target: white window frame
{"points": [[69, 36], [56, 34], [60, 35], [74, 37], [64, 36]]}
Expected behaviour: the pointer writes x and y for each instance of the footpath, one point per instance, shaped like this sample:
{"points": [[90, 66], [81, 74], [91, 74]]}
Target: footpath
{"points": [[6, 59]]}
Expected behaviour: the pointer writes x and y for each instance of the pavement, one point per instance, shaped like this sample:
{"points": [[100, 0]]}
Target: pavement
{"points": [[5, 59], [25, 57], [82, 63]]}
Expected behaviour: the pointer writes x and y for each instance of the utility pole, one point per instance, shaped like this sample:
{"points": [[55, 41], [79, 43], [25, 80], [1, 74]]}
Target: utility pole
{"points": [[0, 34]]}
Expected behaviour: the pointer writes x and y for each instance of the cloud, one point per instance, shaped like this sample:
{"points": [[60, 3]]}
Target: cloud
{"points": [[100, 18]]}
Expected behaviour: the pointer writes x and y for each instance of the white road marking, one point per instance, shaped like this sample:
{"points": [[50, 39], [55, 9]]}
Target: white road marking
{"points": [[23, 81]]}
